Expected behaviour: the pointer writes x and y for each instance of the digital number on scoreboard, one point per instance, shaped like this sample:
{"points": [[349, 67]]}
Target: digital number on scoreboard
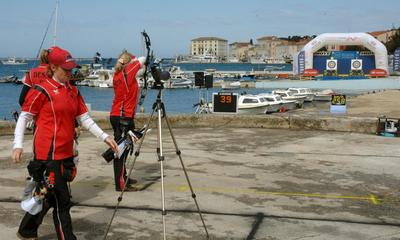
{"points": [[225, 102]]}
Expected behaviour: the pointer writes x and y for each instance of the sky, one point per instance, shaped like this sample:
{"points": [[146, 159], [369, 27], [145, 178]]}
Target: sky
{"points": [[109, 26]]}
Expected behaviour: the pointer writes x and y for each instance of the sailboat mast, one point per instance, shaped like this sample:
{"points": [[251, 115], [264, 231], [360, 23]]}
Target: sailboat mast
{"points": [[55, 24]]}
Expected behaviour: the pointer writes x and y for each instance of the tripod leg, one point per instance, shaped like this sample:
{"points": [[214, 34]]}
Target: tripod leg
{"points": [[137, 152], [161, 160], [178, 152]]}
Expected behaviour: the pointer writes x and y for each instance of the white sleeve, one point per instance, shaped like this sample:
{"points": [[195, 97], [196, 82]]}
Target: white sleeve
{"points": [[142, 60], [23, 118], [87, 122], [142, 69]]}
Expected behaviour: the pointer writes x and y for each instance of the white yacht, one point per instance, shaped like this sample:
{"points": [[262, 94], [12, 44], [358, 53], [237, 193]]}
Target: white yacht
{"points": [[288, 95], [270, 68], [324, 95], [204, 58], [303, 92], [180, 83], [228, 85], [13, 61], [176, 72], [252, 104], [100, 78]]}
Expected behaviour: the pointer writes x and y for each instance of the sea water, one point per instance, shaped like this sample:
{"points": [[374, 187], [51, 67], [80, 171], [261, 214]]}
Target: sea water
{"points": [[182, 100], [176, 101]]}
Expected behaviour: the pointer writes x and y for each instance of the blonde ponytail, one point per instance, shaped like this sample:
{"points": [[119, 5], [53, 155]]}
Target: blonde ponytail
{"points": [[124, 58]]}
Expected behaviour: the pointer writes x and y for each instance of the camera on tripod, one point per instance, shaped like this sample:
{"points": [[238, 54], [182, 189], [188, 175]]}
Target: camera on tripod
{"points": [[158, 75]]}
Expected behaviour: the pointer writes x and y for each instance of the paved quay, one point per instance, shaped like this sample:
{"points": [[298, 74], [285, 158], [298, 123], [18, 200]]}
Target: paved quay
{"points": [[301, 175], [251, 183]]}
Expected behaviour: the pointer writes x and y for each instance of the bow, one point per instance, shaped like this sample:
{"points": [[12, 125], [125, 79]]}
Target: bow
{"points": [[149, 57]]}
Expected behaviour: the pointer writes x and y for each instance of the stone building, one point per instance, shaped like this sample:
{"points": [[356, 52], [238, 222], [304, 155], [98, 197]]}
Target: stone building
{"points": [[209, 46], [290, 49], [240, 50], [267, 46]]}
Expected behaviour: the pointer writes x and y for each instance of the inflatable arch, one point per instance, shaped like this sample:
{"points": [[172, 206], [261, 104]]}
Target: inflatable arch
{"points": [[363, 39]]}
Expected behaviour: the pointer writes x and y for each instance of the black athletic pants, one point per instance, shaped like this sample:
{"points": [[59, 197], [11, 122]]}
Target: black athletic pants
{"points": [[119, 164], [58, 198]]}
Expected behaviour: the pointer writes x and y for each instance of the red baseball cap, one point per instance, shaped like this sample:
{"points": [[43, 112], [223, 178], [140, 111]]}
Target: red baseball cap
{"points": [[62, 58]]}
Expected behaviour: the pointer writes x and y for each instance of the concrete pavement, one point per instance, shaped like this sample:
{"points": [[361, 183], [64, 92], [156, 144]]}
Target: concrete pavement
{"points": [[251, 183]]}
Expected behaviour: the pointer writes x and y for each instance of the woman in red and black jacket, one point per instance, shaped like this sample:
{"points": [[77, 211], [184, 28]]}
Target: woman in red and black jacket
{"points": [[35, 75], [55, 105], [126, 91]]}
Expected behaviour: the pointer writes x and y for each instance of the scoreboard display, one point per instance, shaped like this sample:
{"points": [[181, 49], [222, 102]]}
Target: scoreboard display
{"points": [[225, 102], [338, 100], [338, 104]]}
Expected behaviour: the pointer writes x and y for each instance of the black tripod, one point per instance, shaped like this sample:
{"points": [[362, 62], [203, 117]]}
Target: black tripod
{"points": [[158, 107]]}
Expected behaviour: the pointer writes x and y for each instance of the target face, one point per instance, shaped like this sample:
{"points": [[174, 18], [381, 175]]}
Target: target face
{"points": [[331, 64], [356, 64]]}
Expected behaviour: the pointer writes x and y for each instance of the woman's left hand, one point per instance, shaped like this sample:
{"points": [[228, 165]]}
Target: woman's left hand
{"points": [[77, 132], [113, 145]]}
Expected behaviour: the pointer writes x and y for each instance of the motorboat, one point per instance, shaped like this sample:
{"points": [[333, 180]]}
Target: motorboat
{"points": [[303, 92], [248, 76], [203, 58], [257, 60], [179, 83], [13, 61], [105, 84], [325, 95], [277, 103], [228, 85], [176, 72], [9, 79], [274, 60], [102, 76], [84, 82], [252, 104], [269, 68], [289, 96]]}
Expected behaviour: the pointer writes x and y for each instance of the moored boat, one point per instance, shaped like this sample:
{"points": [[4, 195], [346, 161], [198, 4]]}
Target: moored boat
{"points": [[13, 61], [227, 85], [325, 95], [289, 96], [303, 92], [252, 104], [277, 103], [9, 79]]}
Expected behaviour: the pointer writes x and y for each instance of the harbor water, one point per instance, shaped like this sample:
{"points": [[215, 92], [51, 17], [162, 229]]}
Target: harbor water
{"points": [[100, 99], [178, 101]]}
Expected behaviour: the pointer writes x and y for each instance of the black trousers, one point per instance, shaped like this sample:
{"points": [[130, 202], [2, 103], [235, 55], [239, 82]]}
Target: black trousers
{"points": [[58, 198], [119, 163]]}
